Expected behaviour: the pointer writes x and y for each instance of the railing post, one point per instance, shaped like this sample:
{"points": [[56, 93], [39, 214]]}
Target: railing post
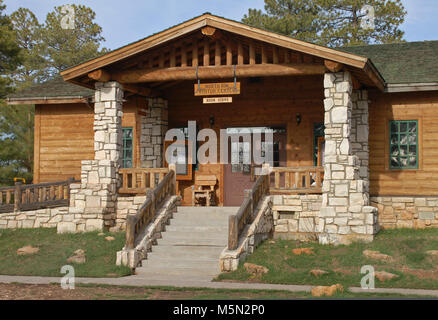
{"points": [[172, 167], [266, 170], [130, 232], [17, 196], [69, 182], [248, 195], [233, 233], [151, 195]]}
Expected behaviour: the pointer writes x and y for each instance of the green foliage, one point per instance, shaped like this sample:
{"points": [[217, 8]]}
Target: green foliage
{"points": [[36, 53], [28, 33], [333, 23], [16, 143], [9, 51], [69, 47]]}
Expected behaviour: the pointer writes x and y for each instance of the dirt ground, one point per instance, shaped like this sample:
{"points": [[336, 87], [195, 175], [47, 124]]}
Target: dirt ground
{"points": [[55, 292]]}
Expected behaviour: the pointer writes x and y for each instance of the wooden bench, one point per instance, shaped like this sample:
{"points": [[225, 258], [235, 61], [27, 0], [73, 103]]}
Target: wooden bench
{"points": [[204, 189]]}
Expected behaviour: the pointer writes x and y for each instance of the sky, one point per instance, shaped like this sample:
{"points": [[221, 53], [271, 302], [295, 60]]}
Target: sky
{"points": [[127, 21]]}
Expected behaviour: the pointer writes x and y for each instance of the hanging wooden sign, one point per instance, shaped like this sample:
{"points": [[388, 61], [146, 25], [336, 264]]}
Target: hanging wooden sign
{"points": [[218, 100], [215, 89]]}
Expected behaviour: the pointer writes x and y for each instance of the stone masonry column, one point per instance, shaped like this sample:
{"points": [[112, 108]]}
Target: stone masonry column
{"points": [[345, 214], [153, 130], [93, 202]]}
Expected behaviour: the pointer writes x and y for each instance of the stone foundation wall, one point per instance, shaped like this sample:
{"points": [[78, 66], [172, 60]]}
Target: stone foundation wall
{"points": [[406, 212], [296, 216], [42, 218], [125, 206]]}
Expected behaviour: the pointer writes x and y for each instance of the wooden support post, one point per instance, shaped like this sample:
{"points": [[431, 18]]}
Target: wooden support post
{"points": [[172, 168], [183, 56], [206, 53], [275, 55], [131, 221], [229, 54], [161, 60], [217, 54], [17, 196], [240, 59], [248, 195], [252, 53], [264, 55], [195, 53], [172, 58], [286, 56], [233, 232]]}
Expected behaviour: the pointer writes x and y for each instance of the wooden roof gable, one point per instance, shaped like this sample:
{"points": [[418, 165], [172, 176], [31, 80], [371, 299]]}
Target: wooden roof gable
{"points": [[190, 50]]}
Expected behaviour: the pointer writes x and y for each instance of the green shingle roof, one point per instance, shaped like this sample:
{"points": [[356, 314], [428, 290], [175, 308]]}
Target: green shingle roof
{"points": [[53, 88], [401, 63]]}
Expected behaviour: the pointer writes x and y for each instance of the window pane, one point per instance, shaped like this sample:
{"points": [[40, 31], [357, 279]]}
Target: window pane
{"points": [[403, 150], [412, 161], [412, 126], [403, 127], [403, 144], [412, 139], [403, 139], [412, 150]]}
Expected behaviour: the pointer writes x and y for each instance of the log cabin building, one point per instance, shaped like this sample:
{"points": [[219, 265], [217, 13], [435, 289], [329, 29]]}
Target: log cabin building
{"points": [[355, 129]]}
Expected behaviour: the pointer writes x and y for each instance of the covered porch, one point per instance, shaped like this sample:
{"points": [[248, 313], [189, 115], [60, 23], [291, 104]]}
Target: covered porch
{"points": [[313, 98]]}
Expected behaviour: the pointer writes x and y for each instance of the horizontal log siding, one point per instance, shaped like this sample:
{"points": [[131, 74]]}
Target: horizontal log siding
{"points": [[64, 137], [421, 106]]}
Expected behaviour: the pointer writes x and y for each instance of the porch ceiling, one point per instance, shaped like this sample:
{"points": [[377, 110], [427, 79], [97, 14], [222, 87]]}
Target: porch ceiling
{"points": [[210, 47]]}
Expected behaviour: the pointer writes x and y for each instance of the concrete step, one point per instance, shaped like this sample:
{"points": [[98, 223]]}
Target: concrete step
{"points": [[207, 252], [207, 228], [178, 271], [186, 264], [199, 222], [193, 242], [194, 234], [210, 210]]}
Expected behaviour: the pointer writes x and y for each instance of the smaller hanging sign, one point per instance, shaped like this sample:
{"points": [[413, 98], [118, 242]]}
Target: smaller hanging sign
{"points": [[217, 89], [218, 100]]}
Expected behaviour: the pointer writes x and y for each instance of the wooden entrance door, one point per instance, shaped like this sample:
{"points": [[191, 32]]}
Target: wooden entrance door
{"points": [[237, 173]]}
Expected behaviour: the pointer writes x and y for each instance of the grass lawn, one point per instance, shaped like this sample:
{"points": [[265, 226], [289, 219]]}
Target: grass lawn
{"points": [[408, 247], [54, 251]]}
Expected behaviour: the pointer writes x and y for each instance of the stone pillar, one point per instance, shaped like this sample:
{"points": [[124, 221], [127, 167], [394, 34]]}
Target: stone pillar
{"points": [[153, 130], [93, 202], [345, 214]]}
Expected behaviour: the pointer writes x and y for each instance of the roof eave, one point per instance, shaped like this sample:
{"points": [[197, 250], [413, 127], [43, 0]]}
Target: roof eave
{"points": [[411, 87]]}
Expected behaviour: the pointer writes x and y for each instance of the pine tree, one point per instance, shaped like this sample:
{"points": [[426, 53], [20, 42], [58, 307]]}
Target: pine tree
{"points": [[333, 23]]}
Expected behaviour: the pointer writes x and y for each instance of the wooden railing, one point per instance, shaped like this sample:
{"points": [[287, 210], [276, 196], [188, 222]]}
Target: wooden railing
{"points": [[245, 215], [297, 180], [145, 214], [139, 180], [35, 196]]}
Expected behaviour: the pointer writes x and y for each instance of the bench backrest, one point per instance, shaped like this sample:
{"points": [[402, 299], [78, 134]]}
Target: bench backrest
{"points": [[205, 180]]}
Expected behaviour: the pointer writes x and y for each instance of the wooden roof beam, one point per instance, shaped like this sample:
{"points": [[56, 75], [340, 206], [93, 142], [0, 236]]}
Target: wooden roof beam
{"points": [[217, 72]]}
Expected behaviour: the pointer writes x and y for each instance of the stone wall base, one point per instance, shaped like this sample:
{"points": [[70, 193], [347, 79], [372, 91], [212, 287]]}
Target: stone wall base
{"points": [[417, 212], [42, 218]]}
